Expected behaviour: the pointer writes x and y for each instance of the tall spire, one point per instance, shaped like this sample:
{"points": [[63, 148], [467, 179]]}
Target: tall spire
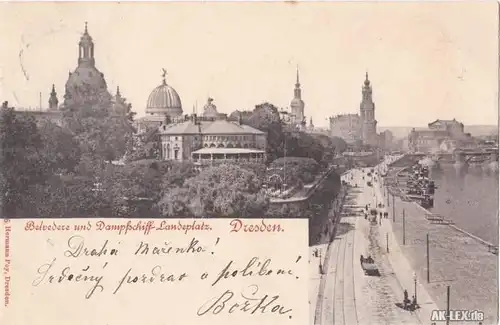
{"points": [[297, 91], [297, 84], [86, 29], [118, 91], [53, 101]]}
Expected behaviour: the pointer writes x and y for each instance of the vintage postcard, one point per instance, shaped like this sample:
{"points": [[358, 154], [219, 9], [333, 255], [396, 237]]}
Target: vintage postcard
{"points": [[271, 163]]}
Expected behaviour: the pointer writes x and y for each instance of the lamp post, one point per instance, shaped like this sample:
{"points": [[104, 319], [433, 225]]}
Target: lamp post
{"points": [[320, 265], [415, 282], [286, 118]]}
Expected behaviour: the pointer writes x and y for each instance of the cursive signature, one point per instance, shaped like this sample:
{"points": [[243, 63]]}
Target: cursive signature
{"points": [[250, 302]]}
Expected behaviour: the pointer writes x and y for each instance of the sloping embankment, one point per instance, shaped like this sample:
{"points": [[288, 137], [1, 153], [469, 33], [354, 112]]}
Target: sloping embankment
{"points": [[456, 259]]}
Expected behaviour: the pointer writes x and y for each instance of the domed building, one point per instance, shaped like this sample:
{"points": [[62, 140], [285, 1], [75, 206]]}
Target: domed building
{"points": [[163, 106], [86, 78], [210, 110], [208, 140]]}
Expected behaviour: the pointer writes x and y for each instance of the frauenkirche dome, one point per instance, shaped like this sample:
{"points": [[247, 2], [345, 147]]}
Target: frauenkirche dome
{"points": [[86, 74], [164, 100]]}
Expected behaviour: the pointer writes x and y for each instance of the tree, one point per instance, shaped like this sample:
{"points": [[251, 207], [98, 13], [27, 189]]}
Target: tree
{"points": [[145, 146], [70, 196], [21, 163], [265, 117], [297, 169], [244, 115], [280, 138], [177, 174], [103, 131], [60, 148], [219, 191], [300, 144], [339, 144]]}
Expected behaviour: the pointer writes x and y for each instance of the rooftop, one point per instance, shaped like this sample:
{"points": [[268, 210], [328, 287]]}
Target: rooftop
{"points": [[216, 127]]}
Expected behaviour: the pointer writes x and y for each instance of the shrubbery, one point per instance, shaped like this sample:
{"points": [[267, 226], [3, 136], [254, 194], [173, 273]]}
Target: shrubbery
{"points": [[298, 170]]}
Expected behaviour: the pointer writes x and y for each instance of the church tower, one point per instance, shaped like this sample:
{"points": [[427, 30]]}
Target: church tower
{"points": [[297, 104], [86, 81], [86, 50], [53, 101], [367, 114]]}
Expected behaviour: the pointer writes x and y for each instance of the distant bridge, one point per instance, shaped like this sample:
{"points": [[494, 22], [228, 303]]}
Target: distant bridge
{"points": [[459, 155]]}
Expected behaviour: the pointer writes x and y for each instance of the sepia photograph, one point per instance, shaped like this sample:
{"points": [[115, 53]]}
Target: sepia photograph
{"points": [[375, 122]]}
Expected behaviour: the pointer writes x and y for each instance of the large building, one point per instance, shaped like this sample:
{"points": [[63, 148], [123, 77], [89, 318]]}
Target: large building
{"points": [[354, 128], [208, 140], [205, 139], [163, 106], [85, 81], [347, 127], [440, 135]]}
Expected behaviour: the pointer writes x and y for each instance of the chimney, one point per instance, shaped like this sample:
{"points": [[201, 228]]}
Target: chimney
{"points": [[240, 120]]}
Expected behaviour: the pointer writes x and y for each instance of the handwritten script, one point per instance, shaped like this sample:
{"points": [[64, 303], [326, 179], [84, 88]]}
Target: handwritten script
{"points": [[229, 262]]}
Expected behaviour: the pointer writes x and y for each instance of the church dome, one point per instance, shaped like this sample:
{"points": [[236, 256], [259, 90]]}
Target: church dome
{"points": [[86, 76], [164, 100], [210, 110]]}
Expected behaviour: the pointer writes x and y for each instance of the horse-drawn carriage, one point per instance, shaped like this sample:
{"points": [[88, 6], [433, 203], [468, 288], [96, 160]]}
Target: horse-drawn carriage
{"points": [[368, 266]]}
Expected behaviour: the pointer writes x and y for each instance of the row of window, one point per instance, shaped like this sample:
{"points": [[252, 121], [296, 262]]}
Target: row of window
{"points": [[216, 138], [166, 153], [230, 145]]}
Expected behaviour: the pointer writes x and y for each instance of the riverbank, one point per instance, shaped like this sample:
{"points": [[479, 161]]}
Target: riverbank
{"points": [[456, 259]]}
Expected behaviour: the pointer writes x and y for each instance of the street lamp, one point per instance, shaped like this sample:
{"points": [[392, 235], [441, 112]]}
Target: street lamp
{"points": [[320, 266], [287, 119], [415, 282]]}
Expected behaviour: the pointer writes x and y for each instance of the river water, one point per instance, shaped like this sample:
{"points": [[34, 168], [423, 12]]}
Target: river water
{"points": [[469, 197]]}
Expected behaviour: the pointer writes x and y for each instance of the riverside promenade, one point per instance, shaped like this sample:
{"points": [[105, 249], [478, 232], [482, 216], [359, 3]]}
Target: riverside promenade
{"points": [[455, 259], [343, 294]]}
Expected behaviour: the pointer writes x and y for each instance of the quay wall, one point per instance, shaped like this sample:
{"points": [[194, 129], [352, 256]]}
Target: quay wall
{"points": [[456, 258], [302, 202]]}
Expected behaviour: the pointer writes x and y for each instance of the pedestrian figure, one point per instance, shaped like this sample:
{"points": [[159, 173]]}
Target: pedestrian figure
{"points": [[405, 299], [380, 221]]}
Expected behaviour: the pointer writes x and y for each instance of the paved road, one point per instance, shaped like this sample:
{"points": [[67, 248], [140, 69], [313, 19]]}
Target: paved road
{"points": [[350, 297]]}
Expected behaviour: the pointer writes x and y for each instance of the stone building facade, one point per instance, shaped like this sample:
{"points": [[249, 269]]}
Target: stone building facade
{"points": [[347, 127], [211, 138], [362, 127], [440, 135]]}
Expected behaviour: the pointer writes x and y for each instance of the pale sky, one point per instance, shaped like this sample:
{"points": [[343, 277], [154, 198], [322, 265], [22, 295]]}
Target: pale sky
{"points": [[425, 60]]}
